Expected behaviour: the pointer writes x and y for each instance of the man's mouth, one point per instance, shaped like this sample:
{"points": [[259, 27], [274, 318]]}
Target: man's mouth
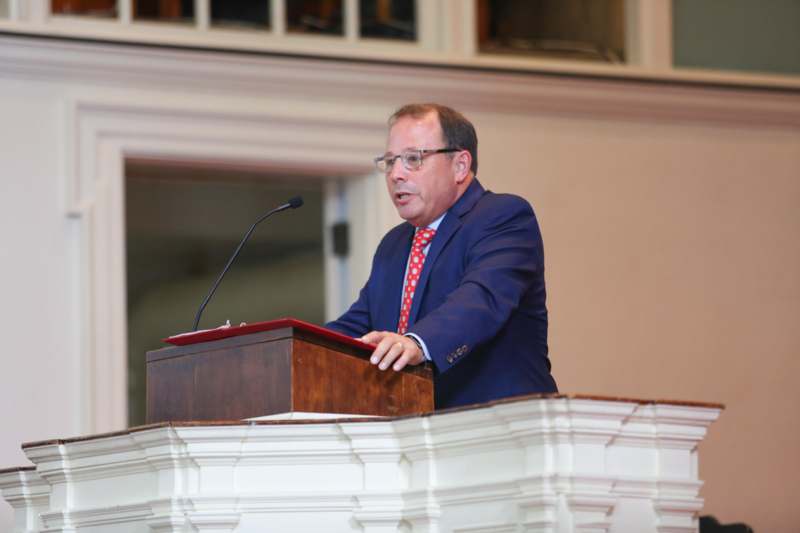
{"points": [[402, 196]]}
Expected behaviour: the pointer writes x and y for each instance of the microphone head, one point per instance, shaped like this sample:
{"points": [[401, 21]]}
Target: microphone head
{"points": [[295, 202]]}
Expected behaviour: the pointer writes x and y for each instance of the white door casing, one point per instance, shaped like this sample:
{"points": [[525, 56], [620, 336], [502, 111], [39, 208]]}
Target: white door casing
{"points": [[104, 130]]}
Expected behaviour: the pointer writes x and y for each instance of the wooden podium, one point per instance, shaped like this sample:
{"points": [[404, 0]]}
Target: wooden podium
{"points": [[274, 367]]}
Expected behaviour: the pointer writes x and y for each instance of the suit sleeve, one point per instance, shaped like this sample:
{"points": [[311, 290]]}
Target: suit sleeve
{"points": [[356, 321], [502, 261]]}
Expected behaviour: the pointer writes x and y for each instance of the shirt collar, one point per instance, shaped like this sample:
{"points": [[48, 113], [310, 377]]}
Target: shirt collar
{"points": [[435, 224]]}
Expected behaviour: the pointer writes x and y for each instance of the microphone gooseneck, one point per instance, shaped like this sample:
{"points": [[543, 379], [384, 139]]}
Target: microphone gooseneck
{"points": [[293, 203]]}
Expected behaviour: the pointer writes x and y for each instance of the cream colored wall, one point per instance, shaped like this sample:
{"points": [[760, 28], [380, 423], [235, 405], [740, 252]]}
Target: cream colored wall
{"points": [[673, 271]]}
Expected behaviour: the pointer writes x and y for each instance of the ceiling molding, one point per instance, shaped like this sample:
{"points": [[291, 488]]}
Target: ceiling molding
{"points": [[265, 78]]}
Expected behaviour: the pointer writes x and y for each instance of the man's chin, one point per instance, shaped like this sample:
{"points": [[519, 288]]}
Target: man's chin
{"points": [[413, 220], [409, 215]]}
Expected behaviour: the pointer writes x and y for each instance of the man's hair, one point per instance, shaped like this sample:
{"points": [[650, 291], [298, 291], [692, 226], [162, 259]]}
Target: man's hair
{"points": [[458, 132]]}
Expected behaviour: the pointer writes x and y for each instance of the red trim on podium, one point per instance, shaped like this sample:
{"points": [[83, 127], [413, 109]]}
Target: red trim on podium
{"points": [[223, 332]]}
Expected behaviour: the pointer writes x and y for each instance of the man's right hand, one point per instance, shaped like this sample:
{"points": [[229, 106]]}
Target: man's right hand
{"points": [[393, 349]]}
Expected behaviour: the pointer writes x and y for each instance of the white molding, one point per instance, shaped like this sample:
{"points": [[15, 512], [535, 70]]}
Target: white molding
{"points": [[329, 475], [102, 129], [489, 528], [122, 514], [28, 495], [591, 512], [389, 85]]}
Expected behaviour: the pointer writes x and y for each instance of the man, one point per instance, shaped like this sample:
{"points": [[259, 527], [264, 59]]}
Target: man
{"points": [[461, 282]]}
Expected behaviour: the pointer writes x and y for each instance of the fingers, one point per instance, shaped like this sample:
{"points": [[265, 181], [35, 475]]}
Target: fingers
{"points": [[374, 337], [393, 350], [407, 357], [387, 350]]}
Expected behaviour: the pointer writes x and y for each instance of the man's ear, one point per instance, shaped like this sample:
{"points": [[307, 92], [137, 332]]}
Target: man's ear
{"points": [[461, 164]]}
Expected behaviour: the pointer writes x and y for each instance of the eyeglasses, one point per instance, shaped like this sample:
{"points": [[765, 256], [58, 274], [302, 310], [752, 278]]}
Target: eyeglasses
{"points": [[412, 159]]}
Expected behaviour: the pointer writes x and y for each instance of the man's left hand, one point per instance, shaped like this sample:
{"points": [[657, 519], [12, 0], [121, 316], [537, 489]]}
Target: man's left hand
{"points": [[393, 348]]}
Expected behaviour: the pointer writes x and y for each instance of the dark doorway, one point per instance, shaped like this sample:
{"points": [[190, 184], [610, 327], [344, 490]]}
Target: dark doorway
{"points": [[182, 224]]}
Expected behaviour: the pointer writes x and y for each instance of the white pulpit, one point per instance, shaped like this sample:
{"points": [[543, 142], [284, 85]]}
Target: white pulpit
{"points": [[554, 464]]}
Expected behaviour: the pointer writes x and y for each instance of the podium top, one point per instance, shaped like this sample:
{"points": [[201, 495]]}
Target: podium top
{"points": [[224, 332], [536, 411]]}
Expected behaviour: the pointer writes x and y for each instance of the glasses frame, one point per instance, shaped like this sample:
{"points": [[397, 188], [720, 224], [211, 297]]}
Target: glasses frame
{"points": [[385, 163]]}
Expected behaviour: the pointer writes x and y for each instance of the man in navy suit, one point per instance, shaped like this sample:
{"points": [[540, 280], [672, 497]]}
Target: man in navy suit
{"points": [[461, 282]]}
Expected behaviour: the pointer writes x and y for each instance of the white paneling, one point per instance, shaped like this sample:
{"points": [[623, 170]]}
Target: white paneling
{"points": [[337, 475]]}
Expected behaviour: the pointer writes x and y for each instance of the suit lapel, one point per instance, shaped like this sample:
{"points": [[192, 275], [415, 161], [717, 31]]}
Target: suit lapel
{"points": [[450, 224]]}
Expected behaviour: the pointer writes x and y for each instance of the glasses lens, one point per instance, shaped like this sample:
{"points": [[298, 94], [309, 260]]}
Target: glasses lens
{"points": [[412, 159]]}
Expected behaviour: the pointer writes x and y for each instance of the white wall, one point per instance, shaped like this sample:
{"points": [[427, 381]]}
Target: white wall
{"points": [[37, 313], [669, 215]]}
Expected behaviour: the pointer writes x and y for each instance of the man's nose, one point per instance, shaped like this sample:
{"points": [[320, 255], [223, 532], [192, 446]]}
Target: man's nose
{"points": [[397, 172]]}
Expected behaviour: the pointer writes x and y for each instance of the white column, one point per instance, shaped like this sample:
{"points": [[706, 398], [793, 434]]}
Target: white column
{"points": [[352, 20], [429, 24], [278, 16], [202, 14], [458, 28], [648, 33], [125, 11]]}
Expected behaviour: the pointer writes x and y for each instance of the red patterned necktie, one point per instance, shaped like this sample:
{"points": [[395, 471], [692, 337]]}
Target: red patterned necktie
{"points": [[422, 238]]}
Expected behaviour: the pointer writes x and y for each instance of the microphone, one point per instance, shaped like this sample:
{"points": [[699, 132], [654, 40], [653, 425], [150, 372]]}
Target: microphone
{"points": [[293, 203]]}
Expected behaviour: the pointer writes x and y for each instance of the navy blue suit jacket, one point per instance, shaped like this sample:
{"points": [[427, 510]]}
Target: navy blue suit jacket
{"points": [[479, 303]]}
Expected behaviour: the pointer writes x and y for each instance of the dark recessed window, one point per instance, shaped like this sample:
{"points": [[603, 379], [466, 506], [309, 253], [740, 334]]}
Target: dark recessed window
{"points": [[315, 16], [561, 29], [388, 19], [88, 8], [182, 224], [737, 35], [181, 11], [247, 14]]}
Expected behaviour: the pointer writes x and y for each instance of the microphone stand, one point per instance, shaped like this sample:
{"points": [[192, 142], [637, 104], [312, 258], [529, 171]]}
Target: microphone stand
{"points": [[293, 203]]}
